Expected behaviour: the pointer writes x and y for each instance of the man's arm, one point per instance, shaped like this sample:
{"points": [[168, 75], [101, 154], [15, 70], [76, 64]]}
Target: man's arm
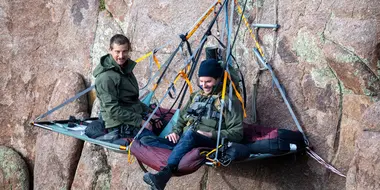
{"points": [[107, 92], [182, 121]]}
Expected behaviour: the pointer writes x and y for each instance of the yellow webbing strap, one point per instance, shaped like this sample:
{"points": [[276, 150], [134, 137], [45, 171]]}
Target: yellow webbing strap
{"points": [[156, 61], [208, 158], [224, 85], [184, 76], [154, 87], [130, 158], [238, 95], [249, 28], [143, 57], [196, 26]]}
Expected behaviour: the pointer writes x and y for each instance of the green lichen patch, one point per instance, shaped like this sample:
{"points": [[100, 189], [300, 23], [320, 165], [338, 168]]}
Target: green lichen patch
{"points": [[344, 89], [378, 68], [13, 167], [102, 5], [322, 77], [346, 58], [307, 49]]}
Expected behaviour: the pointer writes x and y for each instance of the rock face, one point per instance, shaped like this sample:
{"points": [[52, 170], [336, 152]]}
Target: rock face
{"points": [[326, 55], [39, 39], [363, 172], [57, 155], [14, 172]]}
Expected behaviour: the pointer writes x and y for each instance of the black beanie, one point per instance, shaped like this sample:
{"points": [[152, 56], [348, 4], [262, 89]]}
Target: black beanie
{"points": [[210, 68]]}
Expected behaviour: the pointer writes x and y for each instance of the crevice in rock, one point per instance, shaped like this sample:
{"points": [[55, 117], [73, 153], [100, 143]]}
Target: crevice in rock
{"points": [[338, 127], [361, 60], [324, 28], [106, 169], [372, 130], [319, 5], [73, 169], [340, 114], [301, 84], [204, 179]]}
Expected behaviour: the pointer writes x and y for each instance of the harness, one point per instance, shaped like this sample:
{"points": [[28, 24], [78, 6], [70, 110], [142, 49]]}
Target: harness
{"points": [[205, 110]]}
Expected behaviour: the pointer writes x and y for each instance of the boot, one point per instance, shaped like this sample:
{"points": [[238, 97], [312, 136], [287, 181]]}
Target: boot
{"points": [[158, 181]]}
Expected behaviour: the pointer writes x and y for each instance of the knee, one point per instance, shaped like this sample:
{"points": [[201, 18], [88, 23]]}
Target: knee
{"points": [[147, 140], [188, 134]]}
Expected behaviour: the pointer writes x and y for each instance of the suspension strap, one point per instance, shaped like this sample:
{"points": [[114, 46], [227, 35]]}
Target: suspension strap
{"points": [[202, 19], [237, 95], [323, 162], [184, 76], [240, 11], [156, 61], [65, 102], [282, 92]]}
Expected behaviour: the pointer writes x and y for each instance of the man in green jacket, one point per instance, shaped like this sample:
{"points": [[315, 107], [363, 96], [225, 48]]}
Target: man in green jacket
{"points": [[118, 91], [198, 122]]}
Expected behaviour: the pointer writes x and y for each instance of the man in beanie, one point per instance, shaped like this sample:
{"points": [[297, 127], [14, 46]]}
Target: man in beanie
{"points": [[197, 125]]}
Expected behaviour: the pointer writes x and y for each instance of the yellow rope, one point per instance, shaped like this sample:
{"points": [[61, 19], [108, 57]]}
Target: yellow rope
{"points": [[195, 28], [156, 61], [143, 57], [130, 158], [249, 28], [238, 95]]}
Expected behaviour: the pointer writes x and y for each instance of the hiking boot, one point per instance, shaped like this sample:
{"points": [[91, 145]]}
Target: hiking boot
{"points": [[158, 181]]}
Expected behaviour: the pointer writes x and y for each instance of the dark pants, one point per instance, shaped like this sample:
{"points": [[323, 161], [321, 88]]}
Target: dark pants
{"points": [[155, 141], [189, 140]]}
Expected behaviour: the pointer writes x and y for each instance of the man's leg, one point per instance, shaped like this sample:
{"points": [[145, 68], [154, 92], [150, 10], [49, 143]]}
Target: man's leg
{"points": [[156, 141], [189, 140]]}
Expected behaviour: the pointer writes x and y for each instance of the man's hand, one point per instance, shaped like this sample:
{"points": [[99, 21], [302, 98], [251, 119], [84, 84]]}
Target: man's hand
{"points": [[207, 134], [173, 137], [159, 123], [148, 126]]}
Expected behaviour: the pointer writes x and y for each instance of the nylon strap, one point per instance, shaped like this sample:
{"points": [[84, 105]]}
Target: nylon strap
{"points": [[65, 102], [282, 92], [186, 78], [202, 19], [156, 61], [240, 11], [144, 57], [130, 157], [238, 95]]}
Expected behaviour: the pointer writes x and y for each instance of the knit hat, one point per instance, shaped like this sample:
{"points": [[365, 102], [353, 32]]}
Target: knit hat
{"points": [[210, 68]]}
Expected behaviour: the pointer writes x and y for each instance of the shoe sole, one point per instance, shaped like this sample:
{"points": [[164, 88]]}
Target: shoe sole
{"points": [[147, 180]]}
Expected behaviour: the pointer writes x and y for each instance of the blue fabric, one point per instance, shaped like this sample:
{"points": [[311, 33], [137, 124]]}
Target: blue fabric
{"points": [[189, 140], [144, 133]]}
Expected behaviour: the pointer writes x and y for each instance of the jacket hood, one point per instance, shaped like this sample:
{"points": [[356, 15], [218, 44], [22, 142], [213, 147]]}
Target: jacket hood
{"points": [[108, 63]]}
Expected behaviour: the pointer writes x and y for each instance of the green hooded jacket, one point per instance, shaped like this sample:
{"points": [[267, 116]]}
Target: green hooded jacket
{"points": [[118, 92], [232, 125]]}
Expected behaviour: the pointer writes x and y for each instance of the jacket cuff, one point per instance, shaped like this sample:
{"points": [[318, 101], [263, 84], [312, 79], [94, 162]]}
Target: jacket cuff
{"points": [[214, 135]]}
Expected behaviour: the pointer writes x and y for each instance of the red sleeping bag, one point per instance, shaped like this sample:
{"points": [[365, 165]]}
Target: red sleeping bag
{"points": [[256, 138], [156, 158]]}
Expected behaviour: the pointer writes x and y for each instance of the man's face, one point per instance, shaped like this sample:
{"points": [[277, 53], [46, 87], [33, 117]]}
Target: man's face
{"points": [[207, 83], [120, 53]]}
